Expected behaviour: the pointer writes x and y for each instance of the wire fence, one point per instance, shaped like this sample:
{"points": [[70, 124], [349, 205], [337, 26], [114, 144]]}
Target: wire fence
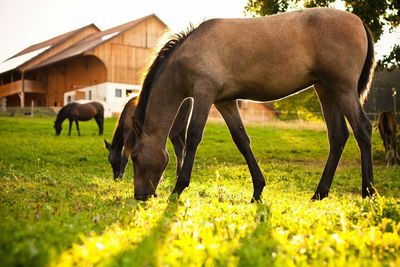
{"points": [[263, 117], [252, 116], [28, 111]]}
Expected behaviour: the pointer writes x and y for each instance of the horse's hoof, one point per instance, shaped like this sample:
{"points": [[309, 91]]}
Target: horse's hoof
{"points": [[256, 200], [144, 197], [368, 192], [319, 196], [174, 197]]}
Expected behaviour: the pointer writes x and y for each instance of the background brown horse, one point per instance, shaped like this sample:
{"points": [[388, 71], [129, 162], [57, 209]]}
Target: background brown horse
{"points": [[121, 146], [259, 59], [387, 130], [75, 112]]}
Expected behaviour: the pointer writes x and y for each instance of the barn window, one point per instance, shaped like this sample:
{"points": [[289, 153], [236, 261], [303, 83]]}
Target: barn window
{"points": [[128, 92], [118, 92], [69, 99], [90, 95]]}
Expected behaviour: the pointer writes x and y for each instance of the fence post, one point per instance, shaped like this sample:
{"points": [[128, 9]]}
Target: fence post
{"points": [[32, 107], [4, 104]]}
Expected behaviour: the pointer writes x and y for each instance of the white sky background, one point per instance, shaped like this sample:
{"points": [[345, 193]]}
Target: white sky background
{"points": [[26, 22]]}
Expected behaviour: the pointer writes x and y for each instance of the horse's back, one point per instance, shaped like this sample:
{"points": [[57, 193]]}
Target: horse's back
{"points": [[276, 55], [89, 110]]}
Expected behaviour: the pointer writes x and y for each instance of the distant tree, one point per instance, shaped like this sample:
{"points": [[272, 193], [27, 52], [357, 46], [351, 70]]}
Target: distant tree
{"points": [[391, 61], [376, 14], [301, 106]]}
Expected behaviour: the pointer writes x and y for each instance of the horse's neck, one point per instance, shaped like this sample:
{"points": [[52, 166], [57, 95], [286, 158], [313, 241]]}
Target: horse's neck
{"points": [[162, 107], [61, 116]]}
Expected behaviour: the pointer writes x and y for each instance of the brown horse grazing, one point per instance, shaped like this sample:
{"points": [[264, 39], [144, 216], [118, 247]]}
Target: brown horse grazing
{"points": [[387, 129], [80, 112], [260, 59], [121, 145]]}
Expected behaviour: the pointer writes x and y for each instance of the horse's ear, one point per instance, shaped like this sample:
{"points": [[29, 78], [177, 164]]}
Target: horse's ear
{"points": [[108, 145]]}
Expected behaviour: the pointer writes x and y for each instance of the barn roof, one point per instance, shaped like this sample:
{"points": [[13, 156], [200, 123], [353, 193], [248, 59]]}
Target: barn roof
{"points": [[76, 49], [93, 41], [35, 50]]}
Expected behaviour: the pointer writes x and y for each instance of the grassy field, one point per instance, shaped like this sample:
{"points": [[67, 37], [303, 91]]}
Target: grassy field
{"points": [[61, 207]]}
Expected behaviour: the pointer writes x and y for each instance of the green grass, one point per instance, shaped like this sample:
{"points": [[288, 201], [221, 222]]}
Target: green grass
{"points": [[59, 205]]}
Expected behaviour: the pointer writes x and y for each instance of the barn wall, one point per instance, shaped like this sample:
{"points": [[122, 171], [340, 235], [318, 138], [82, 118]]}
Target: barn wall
{"points": [[71, 75]]}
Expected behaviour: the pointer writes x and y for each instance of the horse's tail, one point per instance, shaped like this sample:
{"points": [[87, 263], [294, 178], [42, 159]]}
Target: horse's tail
{"points": [[367, 72]]}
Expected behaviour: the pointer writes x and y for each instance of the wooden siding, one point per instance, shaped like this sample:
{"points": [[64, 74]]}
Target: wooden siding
{"points": [[73, 74], [10, 88], [126, 56], [29, 87]]}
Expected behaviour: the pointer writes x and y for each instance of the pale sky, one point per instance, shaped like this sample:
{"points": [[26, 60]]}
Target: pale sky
{"points": [[26, 22]]}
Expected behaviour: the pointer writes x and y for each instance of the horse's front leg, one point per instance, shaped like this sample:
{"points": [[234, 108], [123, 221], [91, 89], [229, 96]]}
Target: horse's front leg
{"points": [[77, 127], [179, 146], [124, 161], [201, 108], [178, 132], [230, 113], [70, 126]]}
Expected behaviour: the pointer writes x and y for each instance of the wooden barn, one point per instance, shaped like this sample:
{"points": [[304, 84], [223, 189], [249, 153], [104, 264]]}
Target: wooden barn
{"points": [[84, 64]]}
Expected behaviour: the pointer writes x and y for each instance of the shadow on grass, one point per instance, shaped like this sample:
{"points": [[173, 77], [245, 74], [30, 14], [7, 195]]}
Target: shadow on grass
{"points": [[146, 252], [258, 248]]}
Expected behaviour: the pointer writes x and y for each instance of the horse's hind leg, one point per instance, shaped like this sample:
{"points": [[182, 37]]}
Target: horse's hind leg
{"points": [[396, 158], [201, 108], [100, 124], [77, 127], [396, 154], [362, 129], [231, 115], [337, 135]]}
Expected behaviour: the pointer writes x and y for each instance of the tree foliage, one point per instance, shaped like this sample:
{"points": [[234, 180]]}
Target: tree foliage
{"points": [[391, 61], [375, 13]]}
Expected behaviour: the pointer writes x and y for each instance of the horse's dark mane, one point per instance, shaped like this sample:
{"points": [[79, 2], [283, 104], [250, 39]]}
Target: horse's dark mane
{"points": [[60, 115], [159, 60]]}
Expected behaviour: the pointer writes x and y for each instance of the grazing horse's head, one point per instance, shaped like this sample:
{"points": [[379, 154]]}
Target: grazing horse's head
{"points": [[57, 127], [149, 163], [114, 157]]}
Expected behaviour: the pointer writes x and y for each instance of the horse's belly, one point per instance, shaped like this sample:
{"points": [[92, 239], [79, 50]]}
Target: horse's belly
{"points": [[266, 88], [85, 118]]}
